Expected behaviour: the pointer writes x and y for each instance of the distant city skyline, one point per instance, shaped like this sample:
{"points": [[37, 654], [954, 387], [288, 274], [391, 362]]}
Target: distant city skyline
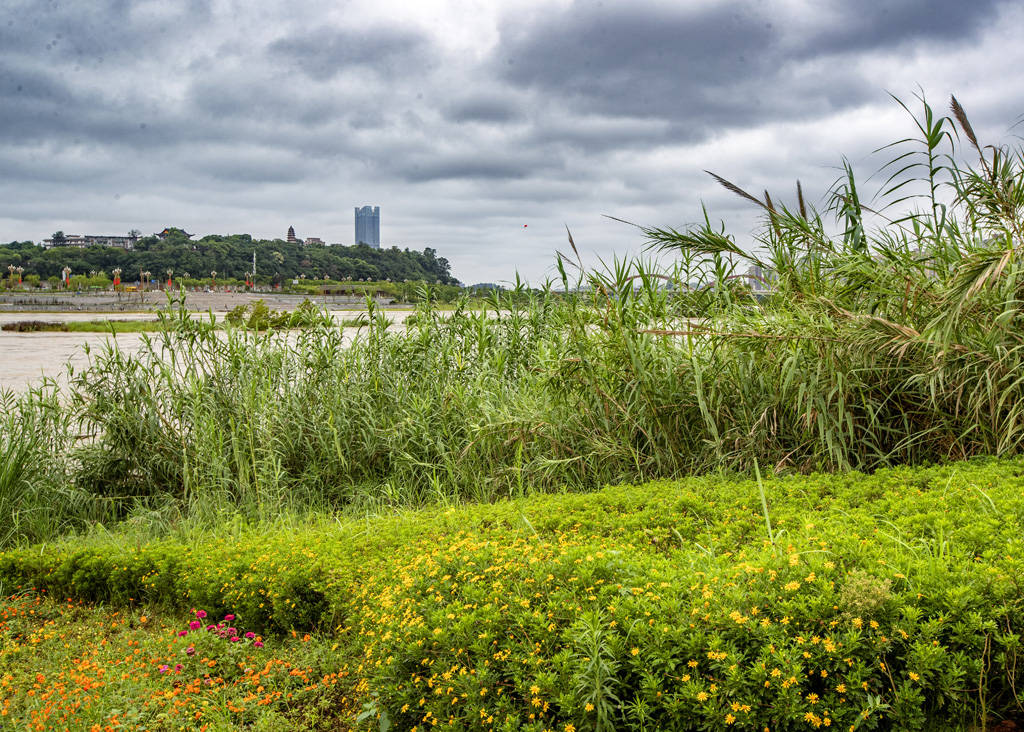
{"points": [[368, 226], [469, 121]]}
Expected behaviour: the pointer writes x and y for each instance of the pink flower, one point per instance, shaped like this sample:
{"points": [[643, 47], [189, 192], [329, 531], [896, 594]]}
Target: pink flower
{"points": [[201, 614], [195, 625], [231, 631], [164, 668], [191, 651], [211, 628], [178, 667], [235, 639], [258, 644], [182, 633], [250, 635], [229, 618]]}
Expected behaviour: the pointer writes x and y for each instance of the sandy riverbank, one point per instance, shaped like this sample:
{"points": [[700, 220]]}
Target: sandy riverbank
{"points": [[110, 302], [26, 358]]}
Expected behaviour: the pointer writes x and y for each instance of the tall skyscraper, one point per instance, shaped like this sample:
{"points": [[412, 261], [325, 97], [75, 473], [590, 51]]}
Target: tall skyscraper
{"points": [[368, 226]]}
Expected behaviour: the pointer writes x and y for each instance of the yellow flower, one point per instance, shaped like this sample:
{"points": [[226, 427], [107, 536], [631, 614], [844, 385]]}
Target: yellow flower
{"points": [[588, 707], [914, 677], [535, 690], [729, 719], [570, 728], [635, 651], [702, 696]]}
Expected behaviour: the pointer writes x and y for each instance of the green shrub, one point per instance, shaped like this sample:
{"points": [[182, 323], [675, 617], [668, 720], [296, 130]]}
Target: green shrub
{"points": [[888, 601]]}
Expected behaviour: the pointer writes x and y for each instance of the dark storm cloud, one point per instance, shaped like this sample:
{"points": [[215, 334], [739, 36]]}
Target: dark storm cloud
{"points": [[327, 52], [722, 66], [39, 105], [33, 86], [893, 23], [635, 61], [62, 66]]}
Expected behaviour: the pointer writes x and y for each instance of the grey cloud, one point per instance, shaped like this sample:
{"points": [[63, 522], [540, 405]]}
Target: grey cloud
{"points": [[38, 105], [260, 98], [267, 117], [895, 23], [96, 31], [465, 167], [723, 66], [594, 134], [29, 85], [623, 60], [252, 167], [483, 108], [327, 52], [366, 119]]}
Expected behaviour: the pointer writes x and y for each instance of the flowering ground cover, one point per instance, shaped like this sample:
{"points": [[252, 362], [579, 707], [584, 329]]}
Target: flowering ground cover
{"points": [[889, 601], [67, 666]]}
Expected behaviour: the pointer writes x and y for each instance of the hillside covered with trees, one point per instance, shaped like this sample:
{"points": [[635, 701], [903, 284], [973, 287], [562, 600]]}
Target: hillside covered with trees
{"points": [[231, 257]]}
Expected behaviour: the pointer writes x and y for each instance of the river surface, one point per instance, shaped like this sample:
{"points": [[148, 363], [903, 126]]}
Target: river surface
{"points": [[26, 358]]}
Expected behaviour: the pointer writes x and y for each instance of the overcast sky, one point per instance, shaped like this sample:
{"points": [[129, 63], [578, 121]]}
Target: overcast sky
{"points": [[481, 129]]}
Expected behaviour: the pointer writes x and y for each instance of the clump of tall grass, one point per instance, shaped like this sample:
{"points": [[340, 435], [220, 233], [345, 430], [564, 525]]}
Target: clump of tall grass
{"points": [[886, 334], [897, 339], [37, 498]]}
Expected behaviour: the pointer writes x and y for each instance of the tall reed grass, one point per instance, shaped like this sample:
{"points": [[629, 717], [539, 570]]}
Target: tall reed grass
{"points": [[892, 333]]}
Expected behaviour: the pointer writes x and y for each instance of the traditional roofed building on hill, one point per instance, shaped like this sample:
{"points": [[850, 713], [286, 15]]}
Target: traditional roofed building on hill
{"points": [[291, 238], [173, 230]]}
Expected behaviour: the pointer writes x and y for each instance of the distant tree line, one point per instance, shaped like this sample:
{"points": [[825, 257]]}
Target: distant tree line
{"points": [[231, 257]]}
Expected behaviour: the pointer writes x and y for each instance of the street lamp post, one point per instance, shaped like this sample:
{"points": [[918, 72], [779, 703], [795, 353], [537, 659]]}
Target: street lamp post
{"points": [[67, 277], [19, 270]]}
